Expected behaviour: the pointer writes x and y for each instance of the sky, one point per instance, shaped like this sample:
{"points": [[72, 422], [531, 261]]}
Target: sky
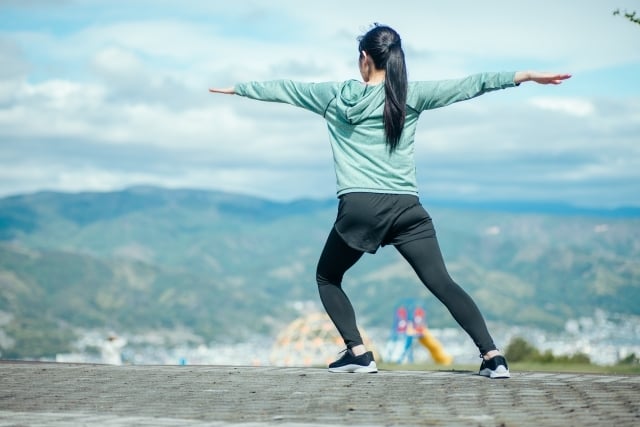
{"points": [[99, 95]]}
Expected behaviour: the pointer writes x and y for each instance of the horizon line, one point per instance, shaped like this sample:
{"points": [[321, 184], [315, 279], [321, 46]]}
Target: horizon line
{"points": [[500, 205]]}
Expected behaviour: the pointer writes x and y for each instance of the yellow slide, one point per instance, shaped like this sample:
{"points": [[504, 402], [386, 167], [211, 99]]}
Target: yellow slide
{"points": [[435, 348]]}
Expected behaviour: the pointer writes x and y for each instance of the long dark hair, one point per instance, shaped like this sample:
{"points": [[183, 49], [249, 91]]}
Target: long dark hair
{"points": [[384, 46]]}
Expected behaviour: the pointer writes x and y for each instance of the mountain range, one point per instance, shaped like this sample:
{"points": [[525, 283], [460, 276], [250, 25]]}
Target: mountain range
{"points": [[225, 266]]}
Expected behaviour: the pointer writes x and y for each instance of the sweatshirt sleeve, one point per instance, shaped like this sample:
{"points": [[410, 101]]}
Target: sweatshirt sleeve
{"points": [[428, 95], [310, 96]]}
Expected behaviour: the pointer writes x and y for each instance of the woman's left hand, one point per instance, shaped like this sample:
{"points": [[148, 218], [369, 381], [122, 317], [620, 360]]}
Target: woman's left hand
{"points": [[541, 78]]}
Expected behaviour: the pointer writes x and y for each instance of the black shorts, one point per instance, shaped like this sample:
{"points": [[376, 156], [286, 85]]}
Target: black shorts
{"points": [[367, 221]]}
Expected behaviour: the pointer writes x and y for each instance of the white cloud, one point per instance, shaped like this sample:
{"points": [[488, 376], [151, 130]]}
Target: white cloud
{"points": [[117, 62], [104, 103], [579, 35], [168, 39], [12, 62], [575, 107]]}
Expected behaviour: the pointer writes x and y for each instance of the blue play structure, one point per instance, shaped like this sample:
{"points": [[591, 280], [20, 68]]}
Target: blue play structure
{"points": [[409, 324]]}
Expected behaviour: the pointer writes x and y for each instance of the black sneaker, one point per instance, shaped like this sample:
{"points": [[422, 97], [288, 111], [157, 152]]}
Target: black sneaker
{"points": [[496, 367], [350, 363]]}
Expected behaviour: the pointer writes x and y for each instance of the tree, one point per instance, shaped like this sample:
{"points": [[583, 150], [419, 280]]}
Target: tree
{"points": [[519, 350], [631, 16]]}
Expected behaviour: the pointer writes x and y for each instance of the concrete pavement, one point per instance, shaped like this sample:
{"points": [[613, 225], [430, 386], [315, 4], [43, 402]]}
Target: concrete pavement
{"points": [[53, 395]]}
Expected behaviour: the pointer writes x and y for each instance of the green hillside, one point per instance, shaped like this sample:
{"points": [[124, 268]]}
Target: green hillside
{"points": [[48, 293], [224, 266]]}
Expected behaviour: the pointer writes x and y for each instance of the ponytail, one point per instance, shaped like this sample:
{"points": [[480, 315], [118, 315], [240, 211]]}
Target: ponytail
{"points": [[395, 89], [383, 44]]}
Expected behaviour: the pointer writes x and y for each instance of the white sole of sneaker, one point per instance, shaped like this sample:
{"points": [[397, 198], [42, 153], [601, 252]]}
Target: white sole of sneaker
{"points": [[358, 369], [500, 372]]}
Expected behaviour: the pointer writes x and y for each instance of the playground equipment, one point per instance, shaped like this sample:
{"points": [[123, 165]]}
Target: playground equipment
{"points": [[409, 325], [311, 340]]}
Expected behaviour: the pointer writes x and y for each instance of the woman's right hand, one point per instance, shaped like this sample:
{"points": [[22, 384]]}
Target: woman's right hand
{"points": [[226, 91]]}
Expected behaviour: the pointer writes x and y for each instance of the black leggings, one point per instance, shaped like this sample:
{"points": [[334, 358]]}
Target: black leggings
{"points": [[426, 259]]}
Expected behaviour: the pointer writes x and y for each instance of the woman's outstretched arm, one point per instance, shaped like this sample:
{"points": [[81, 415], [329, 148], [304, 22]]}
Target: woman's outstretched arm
{"points": [[539, 77], [226, 91], [314, 97], [439, 93]]}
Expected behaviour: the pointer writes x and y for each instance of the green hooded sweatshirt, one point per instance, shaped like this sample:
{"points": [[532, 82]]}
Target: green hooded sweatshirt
{"points": [[354, 114]]}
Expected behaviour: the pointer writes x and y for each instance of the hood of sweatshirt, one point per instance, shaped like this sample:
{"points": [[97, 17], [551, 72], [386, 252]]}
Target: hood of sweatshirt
{"points": [[358, 101]]}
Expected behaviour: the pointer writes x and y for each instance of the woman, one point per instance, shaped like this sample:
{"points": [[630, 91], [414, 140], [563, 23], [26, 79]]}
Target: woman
{"points": [[372, 126]]}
